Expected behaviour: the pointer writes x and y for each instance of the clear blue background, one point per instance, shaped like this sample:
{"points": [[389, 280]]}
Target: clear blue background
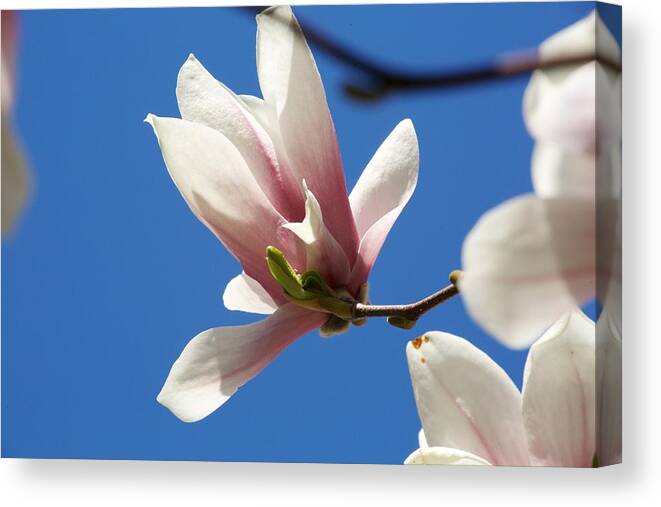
{"points": [[109, 274]]}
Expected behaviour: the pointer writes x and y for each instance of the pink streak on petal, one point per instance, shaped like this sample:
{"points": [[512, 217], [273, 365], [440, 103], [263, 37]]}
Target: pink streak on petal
{"points": [[291, 84], [203, 99], [219, 361], [370, 246]]}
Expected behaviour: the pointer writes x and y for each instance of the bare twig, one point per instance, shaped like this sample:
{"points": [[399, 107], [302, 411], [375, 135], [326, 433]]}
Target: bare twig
{"points": [[381, 79], [410, 312]]}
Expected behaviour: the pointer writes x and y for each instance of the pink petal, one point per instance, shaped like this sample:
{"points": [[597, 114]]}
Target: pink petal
{"points": [[218, 361], [291, 84], [216, 183], [465, 400], [204, 100], [559, 394], [526, 263], [381, 193], [15, 174], [9, 31]]}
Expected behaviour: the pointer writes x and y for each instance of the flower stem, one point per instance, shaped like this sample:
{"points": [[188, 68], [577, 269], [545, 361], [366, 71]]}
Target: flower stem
{"points": [[410, 312]]}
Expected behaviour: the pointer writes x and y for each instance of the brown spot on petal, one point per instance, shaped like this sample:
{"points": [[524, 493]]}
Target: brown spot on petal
{"points": [[423, 360], [425, 339], [417, 342]]}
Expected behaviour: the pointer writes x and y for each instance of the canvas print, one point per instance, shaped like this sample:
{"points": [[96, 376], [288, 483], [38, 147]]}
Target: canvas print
{"points": [[383, 234]]}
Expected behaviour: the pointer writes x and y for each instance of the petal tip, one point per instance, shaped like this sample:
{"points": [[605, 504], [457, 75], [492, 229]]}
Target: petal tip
{"points": [[164, 399], [414, 458], [408, 123], [413, 347], [191, 59], [406, 127], [174, 403], [270, 11]]}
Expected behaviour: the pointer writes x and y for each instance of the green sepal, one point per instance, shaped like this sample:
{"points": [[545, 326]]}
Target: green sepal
{"points": [[364, 293], [310, 304], [336, 306], [308, 290], [285, 274], [333, 326], [327, 304], [313, 282]]}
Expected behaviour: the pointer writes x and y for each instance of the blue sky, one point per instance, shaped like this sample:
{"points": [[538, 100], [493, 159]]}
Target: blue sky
{"points": [[109, 274]]}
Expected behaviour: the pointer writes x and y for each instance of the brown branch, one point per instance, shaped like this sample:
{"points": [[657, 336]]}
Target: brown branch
{"points": [[410, 312], [382, 79]]}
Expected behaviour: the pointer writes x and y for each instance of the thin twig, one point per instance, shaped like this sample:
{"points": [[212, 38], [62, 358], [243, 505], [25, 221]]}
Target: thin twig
{"points": [[382, 79], [411, 312]]}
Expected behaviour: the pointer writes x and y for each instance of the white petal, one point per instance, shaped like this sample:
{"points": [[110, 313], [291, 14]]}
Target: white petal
{"points": [[564, 113], [214, 179], [465, 400], [263, 113], [559, 103], [559, 394], [587, 36], [389, 178], [443, 456], [291, 84], [609, 245], [557, 172], [323, 252], [526, 263], [575, 113], [381, 193], [217, 362], [204, 100], [609, 391], [608, 107], [245, 294], [609, 172], [583, 37], [422, 439]]}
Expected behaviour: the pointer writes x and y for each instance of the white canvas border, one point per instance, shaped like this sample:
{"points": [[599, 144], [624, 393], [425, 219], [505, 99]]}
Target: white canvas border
{"points": [[107, 483]]}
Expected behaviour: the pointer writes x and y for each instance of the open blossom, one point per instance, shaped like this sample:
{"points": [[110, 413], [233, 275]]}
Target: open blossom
{"points": [[267, 172], [535, 257], [473, 414], [15, 178]]}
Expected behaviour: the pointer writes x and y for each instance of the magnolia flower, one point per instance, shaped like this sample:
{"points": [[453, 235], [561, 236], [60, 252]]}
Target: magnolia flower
{"points": [[535, 257], [15, 180], [267, 173], [574, 114], [473, 414]]}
